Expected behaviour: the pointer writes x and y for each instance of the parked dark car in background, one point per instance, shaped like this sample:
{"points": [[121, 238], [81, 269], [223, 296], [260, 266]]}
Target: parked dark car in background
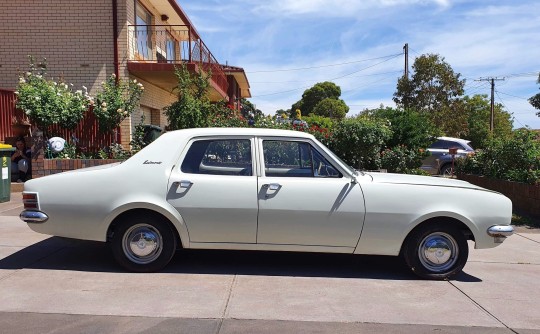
{"points": [[440, 159]]}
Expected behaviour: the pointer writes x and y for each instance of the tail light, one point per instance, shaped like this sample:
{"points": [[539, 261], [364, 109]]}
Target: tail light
{"points": [[30, 201]]}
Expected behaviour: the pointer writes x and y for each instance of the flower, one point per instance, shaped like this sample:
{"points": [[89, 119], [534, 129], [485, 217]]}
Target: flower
{"points": [[119, 110], [21, 80], [104, 104], [78, 92]]}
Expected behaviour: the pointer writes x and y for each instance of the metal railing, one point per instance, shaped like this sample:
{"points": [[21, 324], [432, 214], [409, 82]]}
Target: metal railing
{"points": [[173, 44]]}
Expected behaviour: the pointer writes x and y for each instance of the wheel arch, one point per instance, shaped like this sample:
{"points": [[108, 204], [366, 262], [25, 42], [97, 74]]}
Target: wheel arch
{"points": [[169, 215], [139, 212], [441, 219]]}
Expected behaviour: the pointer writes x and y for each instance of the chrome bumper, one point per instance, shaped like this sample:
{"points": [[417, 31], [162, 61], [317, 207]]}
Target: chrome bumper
{"points": [[500, 232], [30, 216]]}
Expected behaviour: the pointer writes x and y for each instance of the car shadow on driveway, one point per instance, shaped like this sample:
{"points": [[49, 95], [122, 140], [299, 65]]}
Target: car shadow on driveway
{"points": [[57, 253]]}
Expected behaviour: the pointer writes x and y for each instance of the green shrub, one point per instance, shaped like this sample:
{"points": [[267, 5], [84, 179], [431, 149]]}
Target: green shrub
{"points": [[116, 101], [400, 159], [516, 158], [358, 141], [47, 102]]}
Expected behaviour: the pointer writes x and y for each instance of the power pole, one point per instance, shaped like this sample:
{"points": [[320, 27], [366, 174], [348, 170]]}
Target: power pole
{"points": [[492, 117], [406, 52]]}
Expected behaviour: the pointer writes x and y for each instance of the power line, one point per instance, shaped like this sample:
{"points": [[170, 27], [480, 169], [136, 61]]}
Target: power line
{"points": [[291, 81], [336, 78], [518, 97], [505, 107], [323, 66]]}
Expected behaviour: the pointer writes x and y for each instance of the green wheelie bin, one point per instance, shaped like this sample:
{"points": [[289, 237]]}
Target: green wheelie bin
{"points": [[5, 185]]}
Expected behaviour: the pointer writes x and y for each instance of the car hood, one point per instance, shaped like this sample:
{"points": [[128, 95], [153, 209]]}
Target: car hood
{"points": [[421, 180]]}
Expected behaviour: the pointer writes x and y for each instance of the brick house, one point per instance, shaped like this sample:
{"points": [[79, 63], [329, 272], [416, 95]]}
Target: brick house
{"points": [[87, 41]]}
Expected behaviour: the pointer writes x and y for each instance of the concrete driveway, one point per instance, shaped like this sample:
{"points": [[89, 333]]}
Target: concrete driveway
{"points": [[55, 285]]}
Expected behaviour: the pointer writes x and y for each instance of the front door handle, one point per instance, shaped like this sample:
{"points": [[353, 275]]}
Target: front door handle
{"points": [[184, 183], [272, 186]]}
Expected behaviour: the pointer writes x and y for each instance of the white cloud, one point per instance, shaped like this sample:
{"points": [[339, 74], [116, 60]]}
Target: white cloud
{"points": [[478, 39]]}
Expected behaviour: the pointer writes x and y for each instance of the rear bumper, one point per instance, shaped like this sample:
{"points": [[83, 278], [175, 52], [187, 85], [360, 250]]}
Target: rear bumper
{"points": [[31, 216]]}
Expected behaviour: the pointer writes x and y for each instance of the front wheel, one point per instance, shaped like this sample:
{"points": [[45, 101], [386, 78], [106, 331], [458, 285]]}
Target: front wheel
{"points": [[447, 171], [143, 243], [436, 251]]}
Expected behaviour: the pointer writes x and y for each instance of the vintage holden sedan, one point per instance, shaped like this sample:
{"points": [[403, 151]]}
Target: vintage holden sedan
{"points": [[261, 189]]}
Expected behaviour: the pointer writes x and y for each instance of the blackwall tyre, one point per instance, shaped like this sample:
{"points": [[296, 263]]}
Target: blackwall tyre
{"points": [[143, 243], [436, 251]]}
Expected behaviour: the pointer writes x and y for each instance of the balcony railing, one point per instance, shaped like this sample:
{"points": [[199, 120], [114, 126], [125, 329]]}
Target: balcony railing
{"points": [[174, 45]]}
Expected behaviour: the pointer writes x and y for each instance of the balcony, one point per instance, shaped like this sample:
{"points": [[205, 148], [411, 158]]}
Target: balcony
{"points": [[154, 51]]}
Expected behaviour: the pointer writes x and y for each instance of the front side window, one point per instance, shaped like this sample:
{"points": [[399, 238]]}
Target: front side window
{"points": [[219, 157], [295, 159]]}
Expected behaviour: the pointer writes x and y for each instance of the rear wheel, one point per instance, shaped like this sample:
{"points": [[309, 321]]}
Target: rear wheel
{"points": [[436, 251], [143, 243]]}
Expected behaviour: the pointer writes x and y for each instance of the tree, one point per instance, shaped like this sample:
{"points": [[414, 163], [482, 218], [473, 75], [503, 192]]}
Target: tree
{"points": [[247, 108], [435, 90], [478, 109], [358, 141], [412, 133], [193, 106], [535, 100], [333, 108], [409, 127], [312, 96]]}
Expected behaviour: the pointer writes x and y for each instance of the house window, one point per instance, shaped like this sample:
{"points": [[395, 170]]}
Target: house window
{"points": [[171, 55], [143, 32], [165, 50]]}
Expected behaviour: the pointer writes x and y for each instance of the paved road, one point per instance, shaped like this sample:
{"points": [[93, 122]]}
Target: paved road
{"points": [[55, 285]]}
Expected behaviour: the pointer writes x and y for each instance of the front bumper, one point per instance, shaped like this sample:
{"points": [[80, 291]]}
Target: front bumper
{"points": [[31, 216], [500, 232]]}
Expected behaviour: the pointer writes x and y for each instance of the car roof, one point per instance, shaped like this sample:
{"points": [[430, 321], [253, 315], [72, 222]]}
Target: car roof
{"points": [[238, 131], [457, 140]]}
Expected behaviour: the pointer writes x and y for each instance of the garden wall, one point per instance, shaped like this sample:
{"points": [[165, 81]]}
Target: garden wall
{"points": [[43, 167], [525, 197]]}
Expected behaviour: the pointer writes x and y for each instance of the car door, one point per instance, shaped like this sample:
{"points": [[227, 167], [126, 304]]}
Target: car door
{"points": [[304, 199], [214, 189]]}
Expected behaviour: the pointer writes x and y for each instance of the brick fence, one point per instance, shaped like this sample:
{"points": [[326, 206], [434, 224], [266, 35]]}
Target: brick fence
{"points": [[525, 197], [53, 166]]}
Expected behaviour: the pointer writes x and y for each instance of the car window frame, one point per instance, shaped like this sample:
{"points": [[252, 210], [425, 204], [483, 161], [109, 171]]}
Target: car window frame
{"points": [[314, 146], [187, 147]]}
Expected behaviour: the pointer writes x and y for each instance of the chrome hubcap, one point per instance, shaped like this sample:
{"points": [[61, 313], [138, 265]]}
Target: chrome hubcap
{"points": [[438, 252], [142, 243]]}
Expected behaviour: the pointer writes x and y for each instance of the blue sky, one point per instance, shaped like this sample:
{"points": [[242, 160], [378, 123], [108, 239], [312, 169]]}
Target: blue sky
{"points": [[286, 47]]}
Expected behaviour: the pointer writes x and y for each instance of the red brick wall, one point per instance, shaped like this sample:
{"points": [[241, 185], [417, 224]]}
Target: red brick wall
{"points": [[525, 197], [53, 166]]}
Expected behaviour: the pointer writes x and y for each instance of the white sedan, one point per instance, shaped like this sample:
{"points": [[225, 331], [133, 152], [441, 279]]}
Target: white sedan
{"points": [[260, 189]]}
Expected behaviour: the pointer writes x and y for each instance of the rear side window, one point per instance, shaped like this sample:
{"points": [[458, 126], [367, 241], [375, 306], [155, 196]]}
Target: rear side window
{"points": [[445, 144], [219, 157]]}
